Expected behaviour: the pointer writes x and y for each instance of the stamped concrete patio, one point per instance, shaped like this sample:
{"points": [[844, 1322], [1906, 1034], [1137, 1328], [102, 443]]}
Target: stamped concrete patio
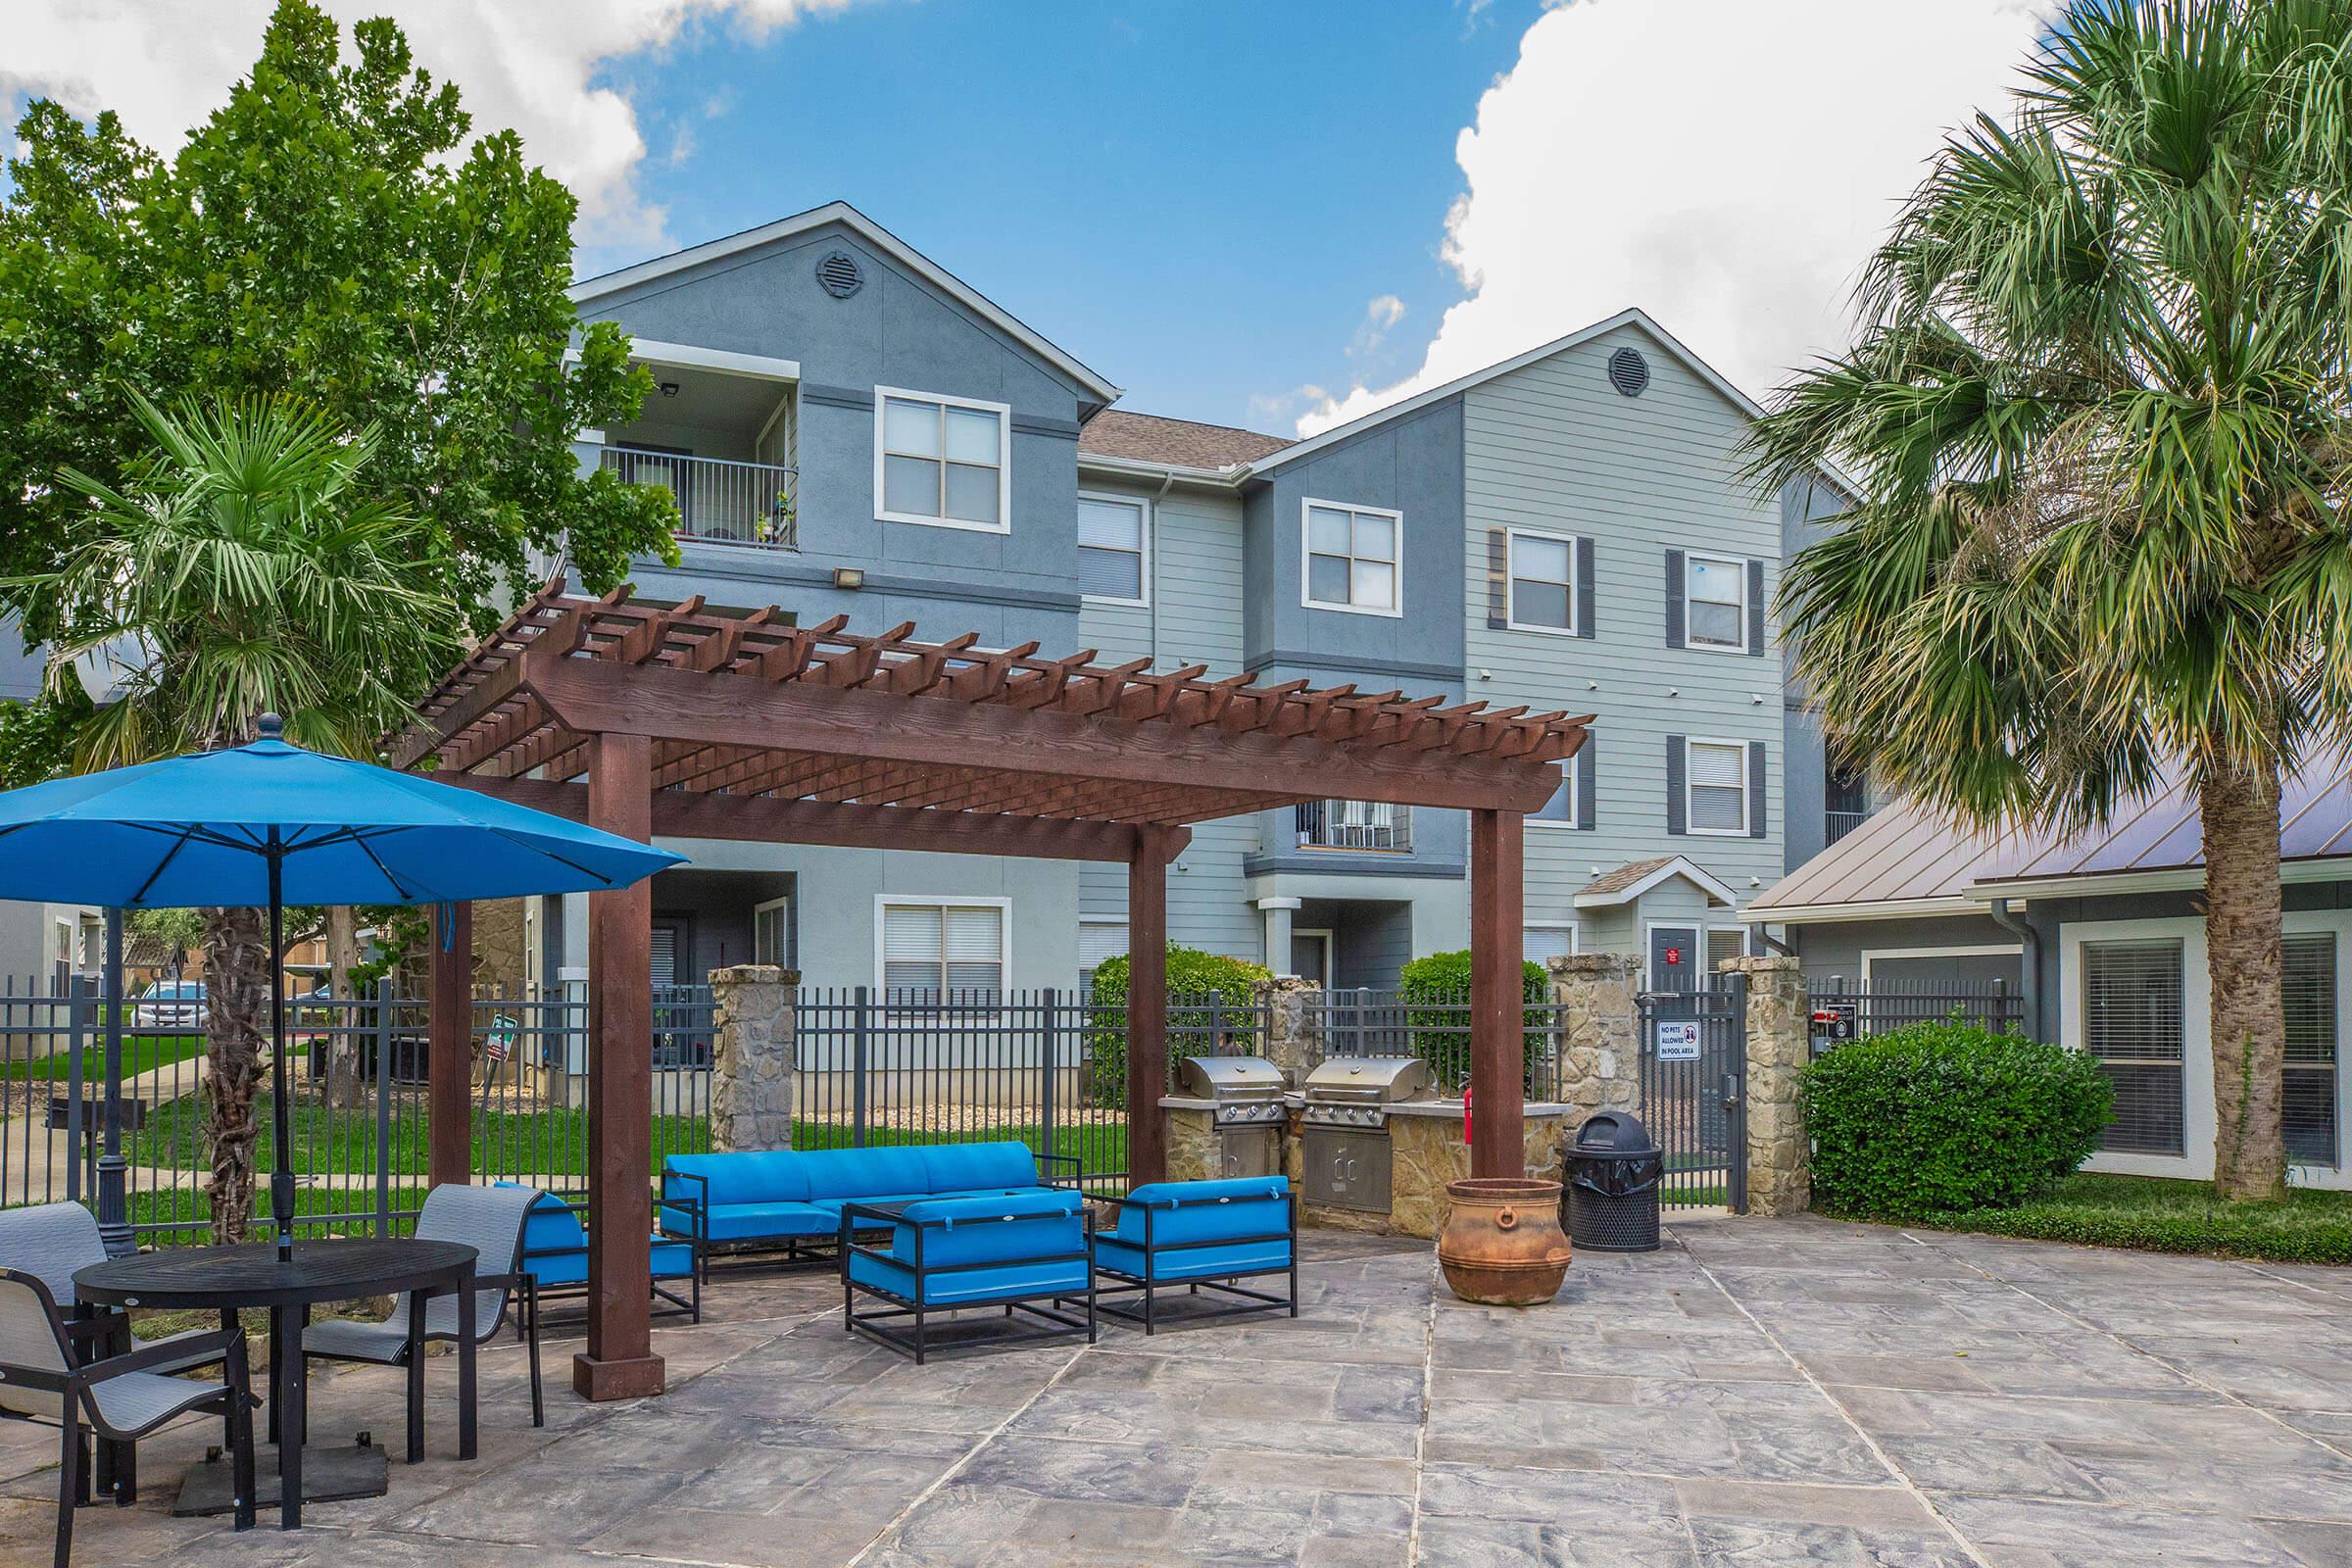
{"points": [[1759, 1392]]}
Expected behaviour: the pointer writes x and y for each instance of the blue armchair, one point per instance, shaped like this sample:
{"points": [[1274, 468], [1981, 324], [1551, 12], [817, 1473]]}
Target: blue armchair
{"points": [[1202, 1234], [555, 1254], [1027, 1251]]}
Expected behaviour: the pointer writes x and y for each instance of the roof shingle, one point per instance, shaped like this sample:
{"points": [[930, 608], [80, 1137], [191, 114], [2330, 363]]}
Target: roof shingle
{"points": [[1180, 443]]}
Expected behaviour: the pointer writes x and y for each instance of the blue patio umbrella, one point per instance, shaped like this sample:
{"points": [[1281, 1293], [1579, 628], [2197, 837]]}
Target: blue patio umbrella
{"points": [[270, 824]]}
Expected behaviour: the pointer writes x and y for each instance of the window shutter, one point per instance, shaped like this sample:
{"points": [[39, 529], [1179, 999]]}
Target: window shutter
{"points": [[1755, 781], [1675, 588], [1755, 610], [1676, 805], [1499, 579], [1584, 591], [1583, 784]]}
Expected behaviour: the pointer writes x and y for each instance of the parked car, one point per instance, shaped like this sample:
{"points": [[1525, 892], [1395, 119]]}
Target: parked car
{"points": [[171, 1004]]}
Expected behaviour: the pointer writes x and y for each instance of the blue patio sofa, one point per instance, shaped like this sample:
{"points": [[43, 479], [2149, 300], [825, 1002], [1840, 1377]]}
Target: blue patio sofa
{"points": [[1201, 1235], [792, 1200], [1028, 1252], [555, 1254]]}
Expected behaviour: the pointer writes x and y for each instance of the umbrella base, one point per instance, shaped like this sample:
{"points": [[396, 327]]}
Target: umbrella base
{"points": [[335, 1474]]}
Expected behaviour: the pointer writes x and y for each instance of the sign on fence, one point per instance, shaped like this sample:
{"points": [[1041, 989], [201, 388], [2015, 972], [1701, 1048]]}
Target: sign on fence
{"points": [[1677, 1042]]}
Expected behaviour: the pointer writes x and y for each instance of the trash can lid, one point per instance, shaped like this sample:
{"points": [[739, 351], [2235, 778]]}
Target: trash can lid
{"points": [[1614, 1132]]}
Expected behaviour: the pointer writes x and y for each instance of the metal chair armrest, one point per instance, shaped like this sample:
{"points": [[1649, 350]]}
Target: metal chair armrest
{"points": [[174, 1352]]}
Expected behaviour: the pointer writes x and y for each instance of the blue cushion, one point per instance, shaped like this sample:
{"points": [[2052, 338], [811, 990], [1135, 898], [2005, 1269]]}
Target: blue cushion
{"points": [[747, 1176], [867, 1172], [1192, 1262], [751, 1222], [672, 1260], [989, 1230], [970, 1285], [1207, 1211], [979, 1167]]}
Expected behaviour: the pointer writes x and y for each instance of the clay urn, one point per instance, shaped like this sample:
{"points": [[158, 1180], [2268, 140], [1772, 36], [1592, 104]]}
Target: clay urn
{"points": [[1503, 1243]]}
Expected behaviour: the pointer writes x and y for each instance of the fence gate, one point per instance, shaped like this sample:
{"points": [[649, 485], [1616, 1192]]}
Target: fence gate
{"points": [[1694, 1092]]}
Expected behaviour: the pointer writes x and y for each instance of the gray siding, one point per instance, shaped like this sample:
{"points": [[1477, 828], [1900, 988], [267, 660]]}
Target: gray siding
{"points": [[1803, 506], [1833, 950], [1553, 446]]}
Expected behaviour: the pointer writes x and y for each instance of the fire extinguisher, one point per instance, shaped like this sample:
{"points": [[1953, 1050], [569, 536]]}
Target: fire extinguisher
{"points": [[1466, 1112]]}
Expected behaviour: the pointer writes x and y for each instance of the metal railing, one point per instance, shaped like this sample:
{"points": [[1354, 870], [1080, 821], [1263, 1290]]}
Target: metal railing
{"points": [[1836, 824], [719, 500], [1846, 1011], [1354, 825], [1358, 1022]]}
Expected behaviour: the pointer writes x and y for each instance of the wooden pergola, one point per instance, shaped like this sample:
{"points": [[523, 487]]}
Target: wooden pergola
{"points": [[685, 720]]}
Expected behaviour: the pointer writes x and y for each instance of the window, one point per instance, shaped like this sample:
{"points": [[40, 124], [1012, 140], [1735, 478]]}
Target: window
{"points": [[2308, 980], [1099, 940], [1725, 941], [2132, 1022], [771, 933], [1351, 559], [1112, 553], [1845, 802], [1560, 809], [1543, 582], [942, 460], [1718, 787], [1717, 589], [1544, 943], [934, 951]]}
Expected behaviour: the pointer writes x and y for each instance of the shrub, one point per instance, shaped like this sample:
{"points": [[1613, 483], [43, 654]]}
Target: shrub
{"points": [[1437, 988], [1940, 1118], [1196, 979], [2157, 1215]]}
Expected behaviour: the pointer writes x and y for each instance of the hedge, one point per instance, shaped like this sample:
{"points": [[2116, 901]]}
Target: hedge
{"points": [[1947, 1117], [1437, 988], [1194, 979], [2155, 1214]]}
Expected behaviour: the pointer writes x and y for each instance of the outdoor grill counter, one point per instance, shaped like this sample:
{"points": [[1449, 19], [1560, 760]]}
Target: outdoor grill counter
{"points": [[1247, 1110]]}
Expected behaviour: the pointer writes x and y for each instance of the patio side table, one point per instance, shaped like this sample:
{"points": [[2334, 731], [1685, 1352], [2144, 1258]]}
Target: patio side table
{"points": [[225, 1279]]}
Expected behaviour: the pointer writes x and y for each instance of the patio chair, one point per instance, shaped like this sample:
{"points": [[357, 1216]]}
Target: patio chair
{"points": [[488, 1219], [1203, 1235], [54, 1242], [555, 1254], [45, 1377]]}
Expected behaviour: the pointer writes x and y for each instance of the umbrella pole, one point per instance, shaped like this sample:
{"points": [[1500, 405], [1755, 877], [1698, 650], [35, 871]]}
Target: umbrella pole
{"points": [[281, 1172]]}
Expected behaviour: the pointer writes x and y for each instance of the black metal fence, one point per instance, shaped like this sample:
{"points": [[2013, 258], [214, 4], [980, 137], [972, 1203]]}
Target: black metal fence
{"points": [[1844, 1010], [1435, 1028]]}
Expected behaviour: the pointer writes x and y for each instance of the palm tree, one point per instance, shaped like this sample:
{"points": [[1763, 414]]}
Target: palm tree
{"points": [[239, 570], [2096, 422]]}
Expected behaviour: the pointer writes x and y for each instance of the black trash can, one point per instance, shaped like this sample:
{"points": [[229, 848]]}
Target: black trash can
{"points": [[1613, 1169]]}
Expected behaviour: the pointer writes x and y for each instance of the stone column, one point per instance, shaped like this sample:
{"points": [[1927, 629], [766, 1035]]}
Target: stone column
{"points": [[1601, 1032], [751, 1062], [1780, 1177], [1290, 1027]]}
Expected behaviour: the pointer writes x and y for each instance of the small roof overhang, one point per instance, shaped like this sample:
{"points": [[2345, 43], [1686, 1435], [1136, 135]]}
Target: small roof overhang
{"points": [[1634, 878]]}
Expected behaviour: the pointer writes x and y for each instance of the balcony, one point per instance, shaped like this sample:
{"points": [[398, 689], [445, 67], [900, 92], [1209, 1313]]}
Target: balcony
{"points": [[1354, 825], [719, 501], [1838, 824]]}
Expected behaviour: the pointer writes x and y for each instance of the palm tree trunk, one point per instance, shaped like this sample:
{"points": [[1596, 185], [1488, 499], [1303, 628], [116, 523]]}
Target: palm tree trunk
{"points": [[237, 968], [345, 1074], [2242, 964]]}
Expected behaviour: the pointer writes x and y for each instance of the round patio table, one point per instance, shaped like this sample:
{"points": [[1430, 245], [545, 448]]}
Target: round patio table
{"points": [[225, 1279]]}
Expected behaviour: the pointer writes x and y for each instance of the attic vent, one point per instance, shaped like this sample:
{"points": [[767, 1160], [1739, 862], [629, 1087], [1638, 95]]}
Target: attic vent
{"points": [[838, 274], [1629, 372]]}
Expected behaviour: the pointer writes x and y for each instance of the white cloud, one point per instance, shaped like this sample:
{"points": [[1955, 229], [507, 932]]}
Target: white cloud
{"points": [[163, 65], [1726, 165]]}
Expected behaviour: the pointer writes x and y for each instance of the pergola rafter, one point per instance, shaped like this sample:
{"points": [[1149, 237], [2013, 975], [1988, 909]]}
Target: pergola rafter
{"points": [[688, 720]]}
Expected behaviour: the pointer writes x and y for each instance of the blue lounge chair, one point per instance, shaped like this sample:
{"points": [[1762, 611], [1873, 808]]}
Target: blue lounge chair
{"points": [[1028, 1252], [555, 1254], [1208, 1234]]}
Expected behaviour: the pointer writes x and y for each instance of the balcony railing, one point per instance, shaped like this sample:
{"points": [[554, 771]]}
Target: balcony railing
{"points": [[1838, 824], [719, 500], [1354, 825]]}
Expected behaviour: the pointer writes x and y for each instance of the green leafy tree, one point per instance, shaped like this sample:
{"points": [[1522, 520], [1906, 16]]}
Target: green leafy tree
{"points": [[328, 232], [2096, 418], [247, 563]]}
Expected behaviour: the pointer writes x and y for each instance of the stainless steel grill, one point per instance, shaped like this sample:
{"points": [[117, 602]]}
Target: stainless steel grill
{"points": [[1247, 1090], [1345, 1157]]}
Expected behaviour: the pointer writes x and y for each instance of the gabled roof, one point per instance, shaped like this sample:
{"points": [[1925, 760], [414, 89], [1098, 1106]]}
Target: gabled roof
{"points": [[881, 239], [1173, 443], [1630, 880]]}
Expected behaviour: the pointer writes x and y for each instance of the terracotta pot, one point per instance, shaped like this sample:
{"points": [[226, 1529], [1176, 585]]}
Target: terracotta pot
{"points": [[1502, 1243]]}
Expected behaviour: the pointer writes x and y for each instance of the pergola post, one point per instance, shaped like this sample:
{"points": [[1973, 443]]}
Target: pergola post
{"points": [[1497, 950], [1148, 1003], [449, 1046], [619, 1363]]}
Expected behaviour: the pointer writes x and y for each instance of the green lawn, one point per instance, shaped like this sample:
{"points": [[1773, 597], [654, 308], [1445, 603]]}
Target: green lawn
{"points": [[140, 1053], [2159, 1215]]}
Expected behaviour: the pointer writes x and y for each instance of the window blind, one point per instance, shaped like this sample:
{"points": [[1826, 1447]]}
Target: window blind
{"points": [[2132, 1022]]}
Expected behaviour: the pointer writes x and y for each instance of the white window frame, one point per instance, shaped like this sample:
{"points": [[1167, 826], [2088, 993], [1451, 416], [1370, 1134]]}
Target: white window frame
{"points": [[1992, 949], [1510, 580], [884, 902], [1004, 414], [1306, 597], [1569, 926], [762, 908], [1691, 559], [1747, 786], [1104, 923], [1568, 782], [1142, 575]]}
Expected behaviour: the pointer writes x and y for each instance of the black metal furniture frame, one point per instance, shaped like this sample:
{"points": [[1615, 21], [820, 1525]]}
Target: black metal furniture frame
{"points": [[1060, 1324], [528, 1314], [791, 1251], [1247, 1299], [96, 1359]]}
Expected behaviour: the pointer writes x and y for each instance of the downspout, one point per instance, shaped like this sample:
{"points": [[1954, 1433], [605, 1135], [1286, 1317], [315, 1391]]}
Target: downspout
{"points": [[1765, 939], [2030, 953], [1167, 483]]}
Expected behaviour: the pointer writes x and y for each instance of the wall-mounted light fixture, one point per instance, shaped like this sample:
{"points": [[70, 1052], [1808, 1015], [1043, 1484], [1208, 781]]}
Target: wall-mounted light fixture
{"points": [[848, 576], [669, 389]]}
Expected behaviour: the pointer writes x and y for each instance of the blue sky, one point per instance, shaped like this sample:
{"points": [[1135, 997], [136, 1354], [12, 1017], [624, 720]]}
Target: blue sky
{"points": [[1199, 201]]}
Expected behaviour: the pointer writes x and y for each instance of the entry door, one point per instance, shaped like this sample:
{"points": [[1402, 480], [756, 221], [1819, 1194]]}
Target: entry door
{"points": [[1310, 957], [1675, 959]]}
